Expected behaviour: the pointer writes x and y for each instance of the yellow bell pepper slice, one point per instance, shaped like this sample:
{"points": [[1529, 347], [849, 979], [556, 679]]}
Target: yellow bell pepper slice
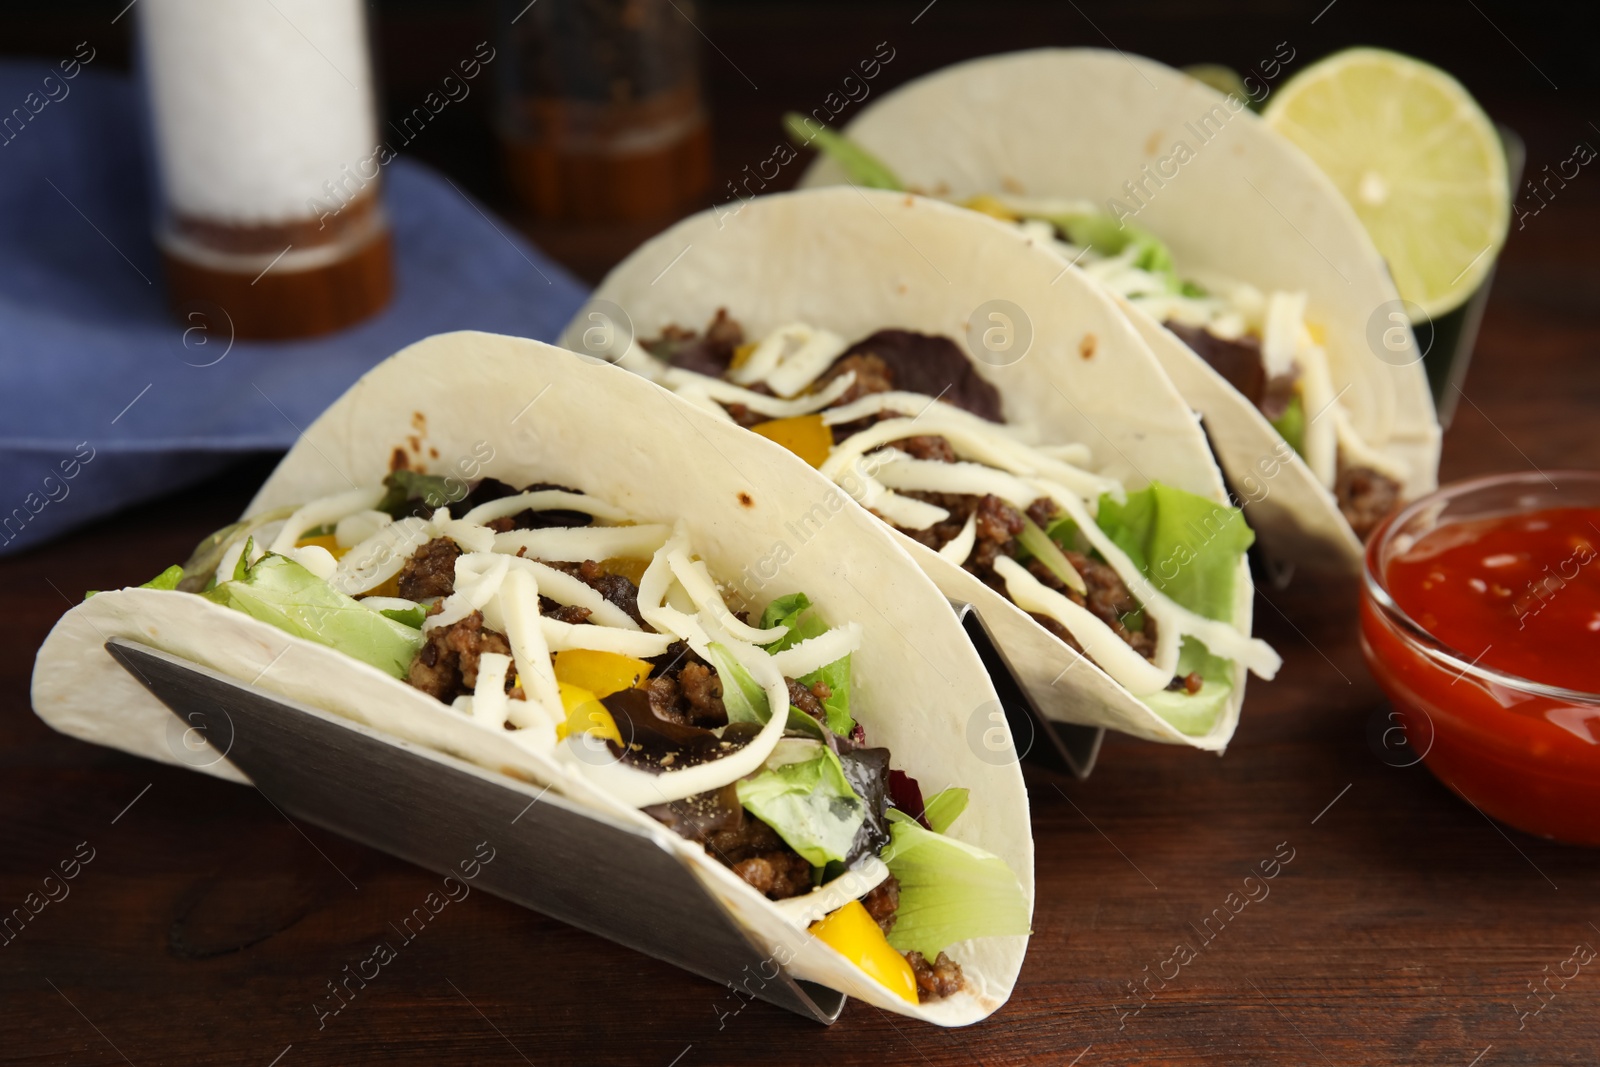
{"points": [[742, 353], [390, 586], [327, 541], [807, 436], [631, 569], [600, 673], [856, 937], [585, 715], [990, 206]]}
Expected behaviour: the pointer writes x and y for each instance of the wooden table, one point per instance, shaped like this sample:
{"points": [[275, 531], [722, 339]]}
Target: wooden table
{"points": [[1406, 928]]}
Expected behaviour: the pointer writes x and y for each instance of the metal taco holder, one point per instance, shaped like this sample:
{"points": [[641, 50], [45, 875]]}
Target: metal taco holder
{"points": [[1068, 747], [552, 856], [431, 809]]}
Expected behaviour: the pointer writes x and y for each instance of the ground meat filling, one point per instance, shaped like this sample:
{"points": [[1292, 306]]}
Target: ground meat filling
{"points": [[446, 666], [883, 902], [929, 364], [756, 853], [616, 588], [1365, 498], [1238, 360], [996, 529], [872, 376], [740, 842], [684, 689], [571, 614], [709, 353], [431, 570], [1190, 683], [809, 698], [936, 980], [776, 874], [931, 447]]}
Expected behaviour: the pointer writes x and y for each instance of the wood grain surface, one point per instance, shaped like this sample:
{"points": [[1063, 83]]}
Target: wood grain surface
{"points": [[1403, 927]]}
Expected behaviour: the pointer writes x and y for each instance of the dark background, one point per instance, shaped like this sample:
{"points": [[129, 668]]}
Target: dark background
{"points": [[1533, 65], [1407, 930]]}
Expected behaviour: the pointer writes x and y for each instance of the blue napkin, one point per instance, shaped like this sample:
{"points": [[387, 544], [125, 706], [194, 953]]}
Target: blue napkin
{"points": [[105, 400]]}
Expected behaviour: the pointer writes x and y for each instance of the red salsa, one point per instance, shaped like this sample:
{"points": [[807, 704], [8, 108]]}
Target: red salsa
{"points": [[1520, 595]]}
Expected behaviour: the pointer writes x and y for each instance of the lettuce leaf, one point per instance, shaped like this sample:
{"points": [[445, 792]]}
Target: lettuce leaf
{"points": [[945, 807], [860, 166], [746, 701], [793, 612], [1108, 236], [803, 795], [1195, 713], [1187, 546], [404, 489], [1291, 425], [167, 579], [949, 890], [412, 617], [278, 591]]}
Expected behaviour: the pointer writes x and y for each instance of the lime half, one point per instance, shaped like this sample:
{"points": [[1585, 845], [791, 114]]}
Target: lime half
{"points": [[1415, 156]]}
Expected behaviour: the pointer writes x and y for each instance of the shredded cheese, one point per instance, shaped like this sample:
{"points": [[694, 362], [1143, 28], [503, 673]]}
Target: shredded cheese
{"points": [[563, 588], [358, 526], [561, 636], [724, 392], [696, 581], [380, 557], [791, 358], [959, 547], [322, 512], [577, 543], [518, 608], [468, 535], [931, 476], [489, 695], [817, 652], [1100, 643], [545, 500]]}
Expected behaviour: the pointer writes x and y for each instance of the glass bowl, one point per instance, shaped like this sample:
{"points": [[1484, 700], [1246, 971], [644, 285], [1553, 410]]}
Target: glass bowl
{"points": [[1520, 751]]}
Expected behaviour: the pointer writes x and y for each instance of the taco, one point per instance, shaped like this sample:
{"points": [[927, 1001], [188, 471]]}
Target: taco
{"points": [[1237, 260], [502, 551], [991, 405]]}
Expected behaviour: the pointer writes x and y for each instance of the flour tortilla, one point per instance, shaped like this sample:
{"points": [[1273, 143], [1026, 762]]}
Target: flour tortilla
{"points": [[552, 416], [1079, 123], [856, 261]]}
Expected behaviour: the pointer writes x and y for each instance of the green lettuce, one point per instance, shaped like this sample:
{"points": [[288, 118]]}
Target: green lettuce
{"points": [[167, 579], [1108, 236], [1186, 545], [803, 795], [1195, 713], [434, 490], [200, 568], [949, 890], [860, 166], [746, 701], [412, 617], [945, 807], [793, 613], [1189, 548], [1291, 425], [278, 591]]}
